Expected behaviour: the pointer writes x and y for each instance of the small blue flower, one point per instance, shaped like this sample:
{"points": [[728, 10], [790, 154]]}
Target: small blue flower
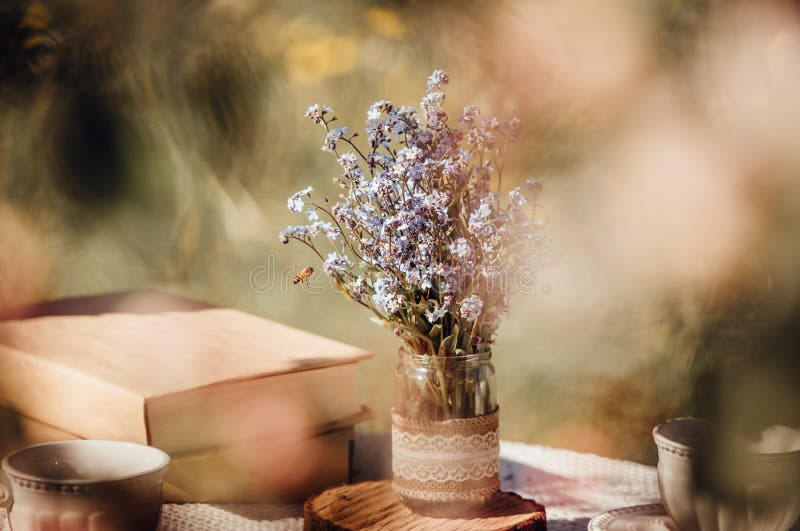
{"points": [[333, 136]]}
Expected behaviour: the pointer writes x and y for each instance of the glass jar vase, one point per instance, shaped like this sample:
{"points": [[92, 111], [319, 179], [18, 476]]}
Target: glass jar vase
{"points": [[445, 444]]}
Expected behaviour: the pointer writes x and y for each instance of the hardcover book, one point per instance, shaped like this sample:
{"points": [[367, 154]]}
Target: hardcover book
{"points": [[184, 381], [274, 470]]}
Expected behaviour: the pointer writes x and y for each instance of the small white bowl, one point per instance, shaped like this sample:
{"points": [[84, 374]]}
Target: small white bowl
{"points": [[758, 484], [84, 485]]}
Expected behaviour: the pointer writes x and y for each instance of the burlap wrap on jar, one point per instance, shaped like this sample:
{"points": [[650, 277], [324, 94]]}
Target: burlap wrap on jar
{"points": [[451, 461]]}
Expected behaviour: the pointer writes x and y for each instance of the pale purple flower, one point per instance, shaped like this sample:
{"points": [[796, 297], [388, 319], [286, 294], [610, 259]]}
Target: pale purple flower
{"points": [[437, 80], [513, 129], [300, 232], [317, 112], [358, 289], [336, 263], [433, 108], [481, 137], [329, 229], [348, 161], [471, 308], [479, 218], [333, 136], [386, 297], [471, 113], [318, 228]]}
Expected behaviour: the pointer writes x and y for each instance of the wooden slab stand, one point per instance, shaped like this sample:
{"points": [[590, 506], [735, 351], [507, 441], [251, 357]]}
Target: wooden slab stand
{"points": [[373, 505]]}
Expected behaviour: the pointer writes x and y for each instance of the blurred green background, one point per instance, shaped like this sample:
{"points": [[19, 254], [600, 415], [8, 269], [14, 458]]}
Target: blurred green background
{"points": [[154, 143]]}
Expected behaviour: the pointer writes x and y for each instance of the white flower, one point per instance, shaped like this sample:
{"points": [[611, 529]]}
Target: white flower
{"points": [[378, 108], [348, 161], [296, 202], [312, 214], [435, 314], [460, 248], [516, 199]]}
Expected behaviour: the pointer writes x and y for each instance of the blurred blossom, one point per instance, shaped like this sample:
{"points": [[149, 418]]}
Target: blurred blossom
{"points": [[675, 204], [318, 56], [574, 56], [386, 22], [747, 75]]}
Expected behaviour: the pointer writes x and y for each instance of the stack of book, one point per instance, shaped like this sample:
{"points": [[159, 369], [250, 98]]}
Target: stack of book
{"points": [[249, 409]]}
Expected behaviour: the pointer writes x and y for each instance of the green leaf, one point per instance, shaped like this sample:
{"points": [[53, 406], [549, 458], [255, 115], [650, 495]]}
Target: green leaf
{"points": [[449, 342], [435, 330]]}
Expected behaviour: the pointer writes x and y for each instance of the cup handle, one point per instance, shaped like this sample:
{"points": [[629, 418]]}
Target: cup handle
{"points": [[5, 493]]}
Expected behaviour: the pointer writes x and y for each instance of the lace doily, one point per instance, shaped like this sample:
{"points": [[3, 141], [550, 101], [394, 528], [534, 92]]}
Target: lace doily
{"points": [[573, 486]]}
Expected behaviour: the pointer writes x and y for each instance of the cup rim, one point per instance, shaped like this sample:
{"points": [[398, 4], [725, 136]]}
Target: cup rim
{"points": [[662, 441], [665, 443], [14, 473]]}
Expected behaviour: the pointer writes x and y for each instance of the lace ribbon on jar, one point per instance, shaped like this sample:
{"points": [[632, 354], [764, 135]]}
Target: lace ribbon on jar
{"points": [[452, 460]]}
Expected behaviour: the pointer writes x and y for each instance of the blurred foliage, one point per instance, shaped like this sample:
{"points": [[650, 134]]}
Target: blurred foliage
{"points": [[153, 144]]}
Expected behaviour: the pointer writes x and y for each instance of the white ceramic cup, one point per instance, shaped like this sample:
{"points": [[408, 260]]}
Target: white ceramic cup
{"points": [[765, 477], [84, 486]]}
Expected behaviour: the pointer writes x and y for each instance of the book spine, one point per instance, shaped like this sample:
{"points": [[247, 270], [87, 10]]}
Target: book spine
{"points": [[68, 399]]}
